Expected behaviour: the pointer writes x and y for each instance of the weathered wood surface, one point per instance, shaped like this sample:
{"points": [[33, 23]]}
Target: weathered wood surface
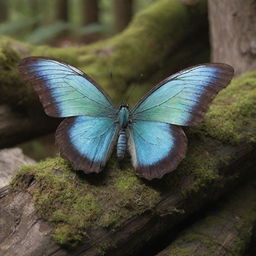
{"points": [[117, 213], [226, 231], [21, 231], [11, 160], [233, 29]]}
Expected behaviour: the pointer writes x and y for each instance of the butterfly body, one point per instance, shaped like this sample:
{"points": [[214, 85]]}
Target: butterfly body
{"points": [[152, 129], [123, 121]]}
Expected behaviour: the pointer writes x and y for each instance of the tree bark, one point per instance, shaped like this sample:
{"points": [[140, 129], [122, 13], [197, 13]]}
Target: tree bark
{"points": [[233, 29], [226, 231], [90, 12], [117, 213], [90, 15], [62, 10], [3, 11], [123, 13], [181, 43]]}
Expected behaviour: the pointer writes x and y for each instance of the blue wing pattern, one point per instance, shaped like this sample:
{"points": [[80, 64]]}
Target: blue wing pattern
{"points": [[183, 98], [64, 90], [87, 142], [156, 148]]}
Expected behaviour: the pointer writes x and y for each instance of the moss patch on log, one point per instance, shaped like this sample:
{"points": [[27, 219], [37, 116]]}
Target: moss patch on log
{"points": [[232, 111], [76, 204]]}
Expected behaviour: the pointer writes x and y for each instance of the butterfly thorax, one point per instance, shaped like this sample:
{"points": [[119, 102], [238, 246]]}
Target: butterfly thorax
{"points": [[123, 120], [123, 116]]}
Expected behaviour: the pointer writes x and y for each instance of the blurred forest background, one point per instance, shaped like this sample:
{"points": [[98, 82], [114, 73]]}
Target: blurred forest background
{"points": [[65, 22], [206, 207]]}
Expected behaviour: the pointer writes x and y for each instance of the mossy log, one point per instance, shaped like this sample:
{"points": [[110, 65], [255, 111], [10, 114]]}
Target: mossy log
{"points": [[227, 231], [17, 126], [116, 212], [160, 40]]}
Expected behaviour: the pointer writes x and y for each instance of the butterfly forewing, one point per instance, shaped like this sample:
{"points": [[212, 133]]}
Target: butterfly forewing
{"points": [[184, 97], [64, 90]]}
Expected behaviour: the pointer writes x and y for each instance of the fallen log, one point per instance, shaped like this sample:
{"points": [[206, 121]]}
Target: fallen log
{"points": [[226, 231], [18, 126], [143, 48], [115, 212]]}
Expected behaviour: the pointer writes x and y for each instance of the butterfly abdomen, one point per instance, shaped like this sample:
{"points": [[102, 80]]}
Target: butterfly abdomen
{"points": [[121, 144]]}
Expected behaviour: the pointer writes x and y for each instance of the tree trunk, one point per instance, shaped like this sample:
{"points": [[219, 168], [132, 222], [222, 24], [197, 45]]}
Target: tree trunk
{"points": [[90, 16], [3, 11], [62, 10], [90, 12], [166, 50], [123, 11], [226, 231], [233, 29], [116, 213]]}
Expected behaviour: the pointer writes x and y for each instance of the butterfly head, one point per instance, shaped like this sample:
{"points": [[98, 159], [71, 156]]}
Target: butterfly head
{"points": [[124, 106]]}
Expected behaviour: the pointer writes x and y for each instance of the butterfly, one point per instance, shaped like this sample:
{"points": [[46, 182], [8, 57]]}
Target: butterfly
{"points": [[152, 129]]}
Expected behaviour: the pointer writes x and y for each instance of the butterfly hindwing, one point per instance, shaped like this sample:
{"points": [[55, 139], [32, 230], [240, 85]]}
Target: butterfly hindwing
{"points": [[156, 148], [183, 98], [86, 141], [64, 90]]}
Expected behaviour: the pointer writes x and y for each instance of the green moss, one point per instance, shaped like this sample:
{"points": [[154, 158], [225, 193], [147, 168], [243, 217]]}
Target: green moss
{"points": [[232, 111], [59, 199], [201, 166], [74, 206]]}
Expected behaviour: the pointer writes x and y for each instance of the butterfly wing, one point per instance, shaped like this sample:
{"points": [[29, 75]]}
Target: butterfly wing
{"points": [[156, 148], [183, 98], [156, 144], [64, 90], [86, 141]]}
